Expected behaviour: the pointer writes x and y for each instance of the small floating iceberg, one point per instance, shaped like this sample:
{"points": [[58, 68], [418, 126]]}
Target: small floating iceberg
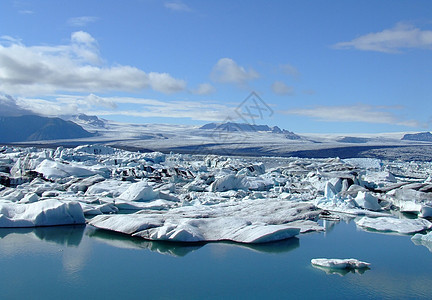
{"points": [[389, 224], [340, 266], [423, 240]]}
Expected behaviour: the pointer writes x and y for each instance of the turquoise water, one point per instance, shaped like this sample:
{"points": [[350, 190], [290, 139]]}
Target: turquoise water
{"points": [[84, 263]]}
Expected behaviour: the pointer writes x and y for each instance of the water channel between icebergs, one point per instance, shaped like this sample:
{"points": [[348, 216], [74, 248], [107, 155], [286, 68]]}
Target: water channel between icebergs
{"points": [[72, 262]]}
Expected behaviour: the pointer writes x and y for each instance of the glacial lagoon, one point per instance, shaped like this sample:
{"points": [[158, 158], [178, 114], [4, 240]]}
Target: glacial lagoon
{"points": [[78, 262]]}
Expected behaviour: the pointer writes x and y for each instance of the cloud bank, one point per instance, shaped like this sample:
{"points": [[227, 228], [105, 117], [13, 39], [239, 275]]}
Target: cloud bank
{"points": [[92, 104], [402, 36], [75, 67]]}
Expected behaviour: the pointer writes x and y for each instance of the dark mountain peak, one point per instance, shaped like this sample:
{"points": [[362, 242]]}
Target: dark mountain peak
{"points": [[34, 128], [238, 127], [421, 136], [89, 120]]}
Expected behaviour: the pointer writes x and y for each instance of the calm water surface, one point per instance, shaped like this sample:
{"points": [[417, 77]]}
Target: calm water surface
{"points": [[84, 263]]}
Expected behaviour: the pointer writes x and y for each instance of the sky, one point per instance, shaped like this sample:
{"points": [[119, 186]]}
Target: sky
{"points": [[305, 66]]}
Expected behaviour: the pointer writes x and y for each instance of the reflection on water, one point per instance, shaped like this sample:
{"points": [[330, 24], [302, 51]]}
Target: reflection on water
{"points": [[62, 235], [127, 242], [84, 262], [181, 249], [341, 272], [273, 247]]}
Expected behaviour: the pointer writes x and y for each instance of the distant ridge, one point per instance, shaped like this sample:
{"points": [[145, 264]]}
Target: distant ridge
{"points": [[238, 127], [421, 136], [35, 128], [84, 119]]}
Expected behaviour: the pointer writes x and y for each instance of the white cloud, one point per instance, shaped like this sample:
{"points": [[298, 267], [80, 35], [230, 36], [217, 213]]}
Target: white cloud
{"points": [[165, 83], [227, 70], [9, 107], [76, 67], [392, 40], [204, 89], [355, 113], [82, 21], [177, 6], [280, 88]]}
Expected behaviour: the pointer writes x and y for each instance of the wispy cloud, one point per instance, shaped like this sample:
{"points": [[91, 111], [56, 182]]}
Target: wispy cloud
{"points": [[75, 67], [9, 107], [394, 40], [290, 70], [280, 88], [227, 70], [105, 106], [26, 12], [82, 21], [204, 89], [355, 113], [177, 6]]}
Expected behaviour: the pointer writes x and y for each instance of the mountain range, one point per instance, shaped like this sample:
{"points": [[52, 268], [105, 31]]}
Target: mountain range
{"points": [[36, 128]]}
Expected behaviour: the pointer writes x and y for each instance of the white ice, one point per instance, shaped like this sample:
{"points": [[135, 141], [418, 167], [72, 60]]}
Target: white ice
{"points": [[247, 221], [390, 224], [42, 213], [335, 263]]}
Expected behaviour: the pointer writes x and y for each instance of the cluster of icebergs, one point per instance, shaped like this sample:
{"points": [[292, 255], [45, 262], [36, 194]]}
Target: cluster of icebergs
{"points": [[191, 198]]}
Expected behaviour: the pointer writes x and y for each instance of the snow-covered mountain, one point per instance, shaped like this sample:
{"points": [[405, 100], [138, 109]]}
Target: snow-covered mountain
{"points": [[85, 120], [244, 127], [222, 139], [421, 136]]}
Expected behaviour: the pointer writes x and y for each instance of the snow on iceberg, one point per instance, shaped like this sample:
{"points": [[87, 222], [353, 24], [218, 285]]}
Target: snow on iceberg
{"points": [[247, 221], [139, 191], [340, 266], [389, 224], [228, 182], [336, 263], [368, 201], [55, 169], [42, 213]]}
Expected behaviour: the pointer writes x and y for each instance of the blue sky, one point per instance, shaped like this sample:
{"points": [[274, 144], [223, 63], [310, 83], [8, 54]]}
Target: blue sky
{"points": [[320, 66]]}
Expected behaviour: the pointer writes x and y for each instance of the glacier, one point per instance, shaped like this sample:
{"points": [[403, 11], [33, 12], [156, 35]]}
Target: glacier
{"points": [[208, 198]]}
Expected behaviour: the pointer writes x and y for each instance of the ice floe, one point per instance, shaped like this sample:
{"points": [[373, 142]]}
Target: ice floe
{"points": [[390, 224], [253, 221], [176, 197], [42, 213], [340, 266]]}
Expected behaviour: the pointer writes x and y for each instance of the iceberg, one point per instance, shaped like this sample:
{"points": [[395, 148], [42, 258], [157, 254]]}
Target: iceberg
{"points": [[247, 221], [389, 224], [367, 201], [139, 191], [340, 266], [423, 240], [42, 213], [336, 263], [54, 169]]}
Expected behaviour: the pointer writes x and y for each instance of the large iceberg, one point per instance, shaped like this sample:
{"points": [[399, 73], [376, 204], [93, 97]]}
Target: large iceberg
{"points": [[42, 213], [247, 221]]}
